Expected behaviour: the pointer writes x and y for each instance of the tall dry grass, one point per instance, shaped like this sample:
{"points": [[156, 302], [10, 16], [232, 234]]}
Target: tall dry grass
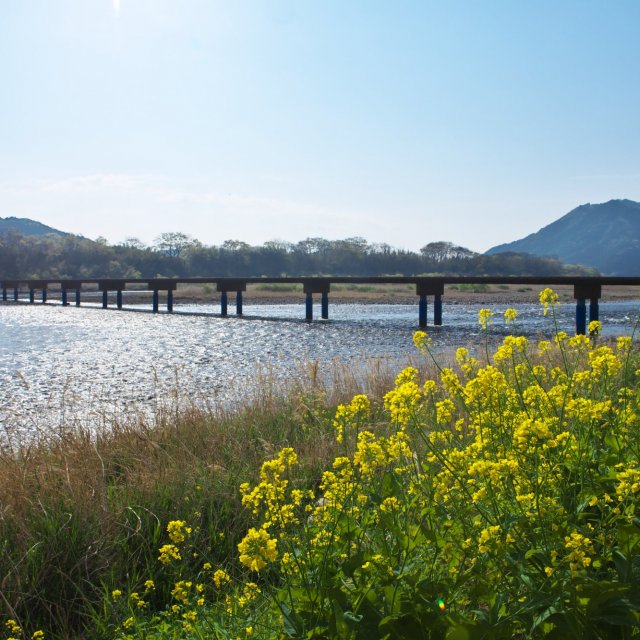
{"points": [[82, 513]]}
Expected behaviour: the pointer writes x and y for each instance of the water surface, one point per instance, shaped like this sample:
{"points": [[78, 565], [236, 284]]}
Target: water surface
{"points": [[68, 366]]}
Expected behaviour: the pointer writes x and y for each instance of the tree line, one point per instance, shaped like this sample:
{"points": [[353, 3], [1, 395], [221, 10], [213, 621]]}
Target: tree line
{"points": [[175, 255]]}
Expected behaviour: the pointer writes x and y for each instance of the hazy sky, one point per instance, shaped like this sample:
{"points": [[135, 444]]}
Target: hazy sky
{"points": [[403, 122]]}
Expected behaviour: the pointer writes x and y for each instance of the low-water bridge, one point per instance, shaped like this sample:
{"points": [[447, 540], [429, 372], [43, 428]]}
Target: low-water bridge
{"points": [[584, 288]]}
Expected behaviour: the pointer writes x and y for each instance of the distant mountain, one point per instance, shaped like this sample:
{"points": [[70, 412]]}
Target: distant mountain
{"points": [[605, 236], [28, 227]]}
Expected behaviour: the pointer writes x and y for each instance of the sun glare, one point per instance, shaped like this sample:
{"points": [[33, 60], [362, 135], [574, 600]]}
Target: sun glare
{"points": [[116, 7]]}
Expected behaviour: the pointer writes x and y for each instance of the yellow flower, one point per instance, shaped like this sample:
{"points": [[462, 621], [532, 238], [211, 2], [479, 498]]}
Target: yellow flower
{"points": [[257, 549], [149, 585], [580, 549], [348, 414], [116, 594], [510, 315], [37, 635], [484, 317], [421, 340], [370, 453], [177, 530], [390, 504], [168, 553], [401, 401], [488, 537], [181, 591], [548, 298], [595, 327], [543, 346]]}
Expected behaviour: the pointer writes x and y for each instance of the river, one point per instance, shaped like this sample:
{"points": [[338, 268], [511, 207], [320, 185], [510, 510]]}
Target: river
{"points": [[68, 367]]}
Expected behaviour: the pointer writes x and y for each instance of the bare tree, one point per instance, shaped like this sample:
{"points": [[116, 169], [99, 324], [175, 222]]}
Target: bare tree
{"points": [[173, 243]]}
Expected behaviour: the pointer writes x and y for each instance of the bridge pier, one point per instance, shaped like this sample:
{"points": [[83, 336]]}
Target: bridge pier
{"points": [[308, 316], [437, 310], [581, 316], [230, 285], [224, 303], [422, 311], [323, 287], [162, 284], [4, 294], [15, 294], [581, 292], [65, 286], [324, 306], [63, 297], [34, 285], [425, 288], [111, 285]]}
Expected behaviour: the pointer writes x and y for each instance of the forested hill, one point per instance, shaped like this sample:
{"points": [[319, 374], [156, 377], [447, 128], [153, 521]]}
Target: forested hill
{"points": [[604, 236], [177, 255], [27, 227]]}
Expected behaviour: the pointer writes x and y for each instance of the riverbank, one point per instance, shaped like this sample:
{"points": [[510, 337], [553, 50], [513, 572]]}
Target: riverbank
{"points": [[395, 294]]}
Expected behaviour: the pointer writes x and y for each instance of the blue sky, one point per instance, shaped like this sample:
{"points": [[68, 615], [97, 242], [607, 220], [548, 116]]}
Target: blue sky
{"points": [[402, 122]]}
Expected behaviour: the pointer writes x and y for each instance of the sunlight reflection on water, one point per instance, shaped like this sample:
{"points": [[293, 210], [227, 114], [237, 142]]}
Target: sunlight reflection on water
{"points": [[86, 366]]}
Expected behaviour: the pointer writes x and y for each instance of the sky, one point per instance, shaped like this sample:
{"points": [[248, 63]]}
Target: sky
{"points": [[403, 122]]}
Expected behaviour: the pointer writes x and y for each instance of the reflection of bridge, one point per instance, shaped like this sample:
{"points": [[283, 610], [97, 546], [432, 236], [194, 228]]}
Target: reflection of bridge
{"points": [[583, 288]]}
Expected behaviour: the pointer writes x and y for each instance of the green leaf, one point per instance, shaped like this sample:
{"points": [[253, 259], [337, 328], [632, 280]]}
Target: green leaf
{"points": [[465, 632], [401, 627], [291, 621]]}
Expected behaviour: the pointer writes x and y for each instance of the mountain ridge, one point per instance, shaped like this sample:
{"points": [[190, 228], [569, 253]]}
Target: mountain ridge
{"points": [[605, 236]]}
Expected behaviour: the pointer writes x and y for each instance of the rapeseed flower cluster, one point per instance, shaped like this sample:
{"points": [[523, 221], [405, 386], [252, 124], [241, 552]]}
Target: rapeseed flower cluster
{"points": [[257, 549], [512, 478], [499, 498], [17, 633]]}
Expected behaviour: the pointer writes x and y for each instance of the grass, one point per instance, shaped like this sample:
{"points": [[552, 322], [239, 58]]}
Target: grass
{"points": [[82, 514], [280, 287], [471, 288]]}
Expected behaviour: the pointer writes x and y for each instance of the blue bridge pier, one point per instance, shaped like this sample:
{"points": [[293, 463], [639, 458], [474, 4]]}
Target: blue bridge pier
{"points": [[231, 286], [424, 289], [581, 292], [317, 285], [161, 284]]}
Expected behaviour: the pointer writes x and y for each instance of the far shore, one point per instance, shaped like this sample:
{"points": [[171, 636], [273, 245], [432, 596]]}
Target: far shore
{"points": [[396, 294]]}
